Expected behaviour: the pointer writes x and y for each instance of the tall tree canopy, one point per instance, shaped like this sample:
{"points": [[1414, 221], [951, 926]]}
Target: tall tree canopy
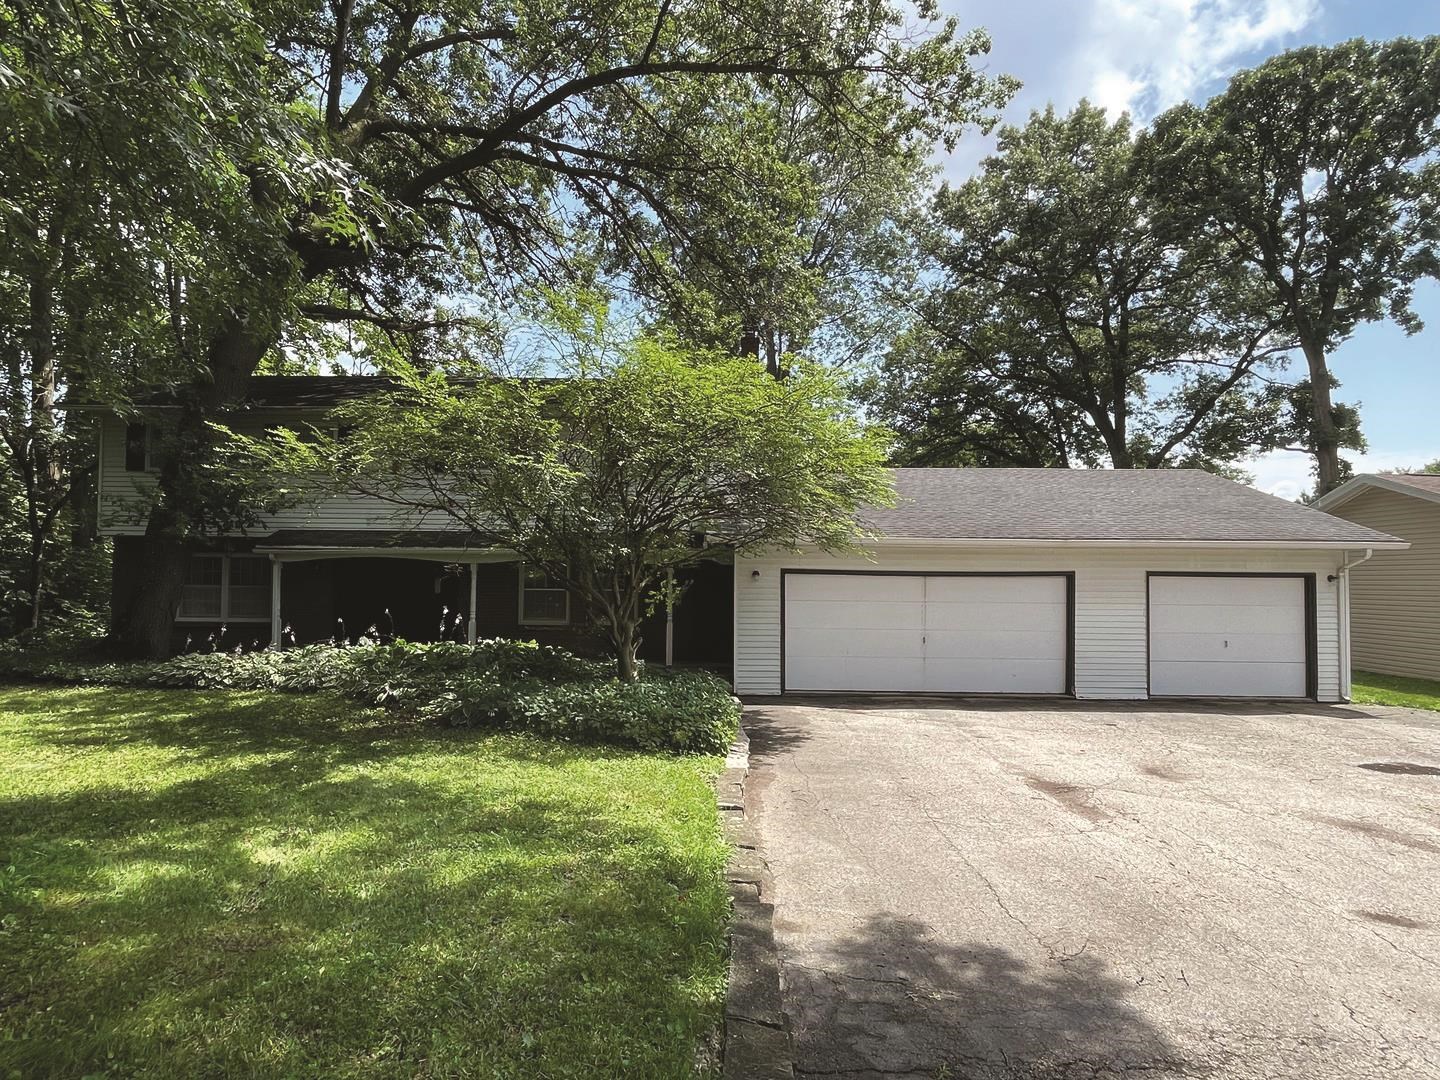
{"points": [[130, 142], [471, 151], [1318, 170], [1072, 327]]}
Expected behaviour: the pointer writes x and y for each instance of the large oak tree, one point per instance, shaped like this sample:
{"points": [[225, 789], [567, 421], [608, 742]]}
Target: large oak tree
{"points": [[476, 150], [1071, 326], [1318, 170]]}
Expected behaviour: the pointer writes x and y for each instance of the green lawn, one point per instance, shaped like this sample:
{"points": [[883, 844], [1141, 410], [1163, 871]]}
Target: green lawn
{"points": [[241, 884], [1367, 688]]}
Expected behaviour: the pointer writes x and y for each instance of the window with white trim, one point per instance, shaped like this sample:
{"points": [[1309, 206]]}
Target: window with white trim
{"points": [[544, 600], [226, 588]]}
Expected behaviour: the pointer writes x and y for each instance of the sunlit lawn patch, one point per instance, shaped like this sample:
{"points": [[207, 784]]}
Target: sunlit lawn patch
{"points": [[250, 884], [1371, 689]]}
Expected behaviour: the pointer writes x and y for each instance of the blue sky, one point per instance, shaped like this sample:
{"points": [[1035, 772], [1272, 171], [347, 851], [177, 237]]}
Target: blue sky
{"points": [[1146, 55]]}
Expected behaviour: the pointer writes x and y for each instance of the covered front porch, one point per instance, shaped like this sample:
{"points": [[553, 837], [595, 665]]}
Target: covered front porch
{"points": [[439, 586]]}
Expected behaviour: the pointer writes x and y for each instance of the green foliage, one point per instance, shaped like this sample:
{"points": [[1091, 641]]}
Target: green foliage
{"points": [[1072, 326], [649, 459], [220, 883], [512, 685], [848, 184], [1317, 170]]}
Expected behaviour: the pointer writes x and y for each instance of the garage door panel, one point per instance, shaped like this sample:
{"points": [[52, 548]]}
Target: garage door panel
{"points": [[994, 644], [1004, 589], [1221, 618], [853, 673], [993, 615], [849, 641], [1234, 591], [995, 676], [1227, 679], [1238, 647], [1228, 636], [864, 588], [872, 614]]}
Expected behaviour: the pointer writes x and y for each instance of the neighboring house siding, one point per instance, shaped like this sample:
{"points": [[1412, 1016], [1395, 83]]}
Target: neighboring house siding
{"points": [[122, 493], [1111, 649], [1395, 597]]}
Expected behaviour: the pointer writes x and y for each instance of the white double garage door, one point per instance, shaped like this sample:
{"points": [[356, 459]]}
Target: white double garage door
{"points": [[970, 633]]}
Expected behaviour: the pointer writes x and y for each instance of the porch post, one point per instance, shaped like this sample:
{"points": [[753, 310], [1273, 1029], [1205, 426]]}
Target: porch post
{"points": [[275, 627], [669, 618], [470, 630]]}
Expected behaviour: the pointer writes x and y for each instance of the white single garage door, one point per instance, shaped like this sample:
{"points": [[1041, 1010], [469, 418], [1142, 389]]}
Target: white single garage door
{"points": [[1227, 636], [959, 634]]}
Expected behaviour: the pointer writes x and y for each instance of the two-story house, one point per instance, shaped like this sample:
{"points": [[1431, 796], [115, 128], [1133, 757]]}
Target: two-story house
{"points": [[1089, 583]]}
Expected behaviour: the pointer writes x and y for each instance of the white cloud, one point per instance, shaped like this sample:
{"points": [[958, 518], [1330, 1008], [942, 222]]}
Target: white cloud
{"points": [[1146, 55], [1288, 474]]}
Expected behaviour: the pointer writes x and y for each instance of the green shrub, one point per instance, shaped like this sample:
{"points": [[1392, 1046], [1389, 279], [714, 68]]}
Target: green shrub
{"points": [[516, 685]]}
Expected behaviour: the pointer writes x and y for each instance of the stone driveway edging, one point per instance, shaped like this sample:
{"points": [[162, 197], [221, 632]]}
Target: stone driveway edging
{"points": [[757, 1043]]}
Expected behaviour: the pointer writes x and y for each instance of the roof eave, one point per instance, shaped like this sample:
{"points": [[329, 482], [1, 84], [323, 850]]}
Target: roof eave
{"points": [[1359, 484], [1379, 544]]}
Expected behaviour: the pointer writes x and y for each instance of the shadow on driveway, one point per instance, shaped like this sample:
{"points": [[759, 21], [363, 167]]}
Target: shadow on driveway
{"points": [[893, 999]]}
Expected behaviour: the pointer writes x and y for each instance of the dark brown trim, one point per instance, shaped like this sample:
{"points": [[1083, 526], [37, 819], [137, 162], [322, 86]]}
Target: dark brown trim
{"points": [[1068, 575], [1312, 620]]}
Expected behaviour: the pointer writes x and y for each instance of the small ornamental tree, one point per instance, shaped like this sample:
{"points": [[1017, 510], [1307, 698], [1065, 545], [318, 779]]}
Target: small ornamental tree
{"points": [[635, 467]]}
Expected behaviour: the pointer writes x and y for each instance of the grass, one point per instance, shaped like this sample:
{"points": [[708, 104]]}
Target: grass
{"points": [[225, 884], [1368, 688]]}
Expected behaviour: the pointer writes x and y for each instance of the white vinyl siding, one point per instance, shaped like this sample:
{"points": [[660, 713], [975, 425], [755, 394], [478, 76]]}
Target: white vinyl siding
{"points": [[1395, 597], [1110, 602], [121, 492]]}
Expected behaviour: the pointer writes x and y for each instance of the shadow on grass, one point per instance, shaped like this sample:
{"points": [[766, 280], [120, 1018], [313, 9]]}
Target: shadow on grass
{"points": [[256, 884], [893, 998]]}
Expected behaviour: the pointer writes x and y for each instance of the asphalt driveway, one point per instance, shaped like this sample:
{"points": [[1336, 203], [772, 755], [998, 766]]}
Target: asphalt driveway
{"points": [[1027, 890]]}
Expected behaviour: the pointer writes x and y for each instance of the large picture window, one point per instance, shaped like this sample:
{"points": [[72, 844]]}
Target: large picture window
{"points": [[544, 600], [226, 588]]}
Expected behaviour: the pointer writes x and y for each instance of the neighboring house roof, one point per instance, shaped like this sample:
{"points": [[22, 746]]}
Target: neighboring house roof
{"points": [[1104, 505], [1424, 486]]}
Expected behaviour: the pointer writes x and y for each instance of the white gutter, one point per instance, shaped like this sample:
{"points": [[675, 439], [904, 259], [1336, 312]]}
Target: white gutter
{"points": [[446, 555], [1342, 584], [1288, 545]]}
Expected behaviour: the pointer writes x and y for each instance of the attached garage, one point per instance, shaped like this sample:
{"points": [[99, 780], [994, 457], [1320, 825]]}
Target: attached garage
{"points": [[959, 633], [1231, 635], [1094, 583]]}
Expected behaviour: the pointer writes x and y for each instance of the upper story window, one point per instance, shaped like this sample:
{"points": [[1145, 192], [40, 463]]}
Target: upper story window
{"points": [[226, 588], [137, 447], [544, 600]]}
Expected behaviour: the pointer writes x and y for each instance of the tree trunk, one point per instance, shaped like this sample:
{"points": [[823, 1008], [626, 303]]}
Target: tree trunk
{"points": [[1322, 417], [626, 642], [233, 357], [148, 624], [35, 580]]}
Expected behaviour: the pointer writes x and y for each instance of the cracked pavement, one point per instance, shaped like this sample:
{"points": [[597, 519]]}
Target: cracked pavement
{"points": [[1025, 890]]}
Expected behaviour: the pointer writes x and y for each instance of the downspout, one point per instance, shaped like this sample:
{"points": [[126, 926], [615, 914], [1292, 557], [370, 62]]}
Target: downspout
{"points": [[1342, 579]]}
